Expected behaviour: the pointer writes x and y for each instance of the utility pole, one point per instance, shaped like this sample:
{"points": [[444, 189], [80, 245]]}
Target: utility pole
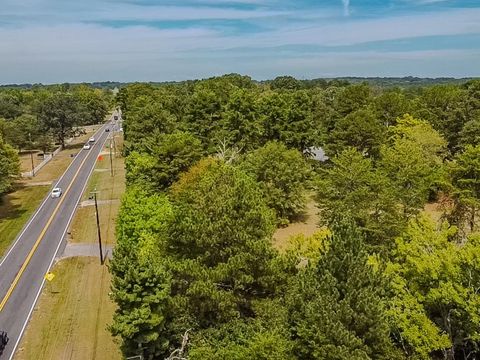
{"points": [[111, 159], [114, 145], [31, 154], [98, 227]]}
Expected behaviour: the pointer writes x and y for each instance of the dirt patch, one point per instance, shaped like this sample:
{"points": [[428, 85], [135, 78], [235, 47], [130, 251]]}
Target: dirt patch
{"points": [[307, 225]]}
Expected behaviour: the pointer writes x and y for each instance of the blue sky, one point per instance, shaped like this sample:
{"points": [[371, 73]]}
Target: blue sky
{"points": [[145, 40]]}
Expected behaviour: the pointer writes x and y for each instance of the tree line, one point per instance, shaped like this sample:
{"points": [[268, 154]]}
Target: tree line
{"points": [[40, 117], [215, 166]]}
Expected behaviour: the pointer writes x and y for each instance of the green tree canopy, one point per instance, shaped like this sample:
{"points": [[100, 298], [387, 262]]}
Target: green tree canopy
{"points": [[465, 179], [361, 130], [59, 113], [436, 305], [282, 175], [337, 307], [9, 166], [166, 156]]}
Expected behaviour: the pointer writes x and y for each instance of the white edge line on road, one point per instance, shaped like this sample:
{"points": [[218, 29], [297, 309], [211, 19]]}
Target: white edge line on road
{"points": [[55, 255], [43, 203]]}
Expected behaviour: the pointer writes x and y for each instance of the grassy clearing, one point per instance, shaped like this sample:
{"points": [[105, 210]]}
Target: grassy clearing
{"points": [[71, 318], [72, 315], [109, 192], [307, 225], [108, 186], [57, 166], [26, 160], [16, 209], [84, 228]]}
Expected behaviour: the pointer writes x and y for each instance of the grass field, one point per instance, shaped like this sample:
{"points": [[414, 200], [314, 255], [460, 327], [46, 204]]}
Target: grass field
{"points": [[57, 166], [72, 315], [15, 210], [71, 318], [26, 160]]}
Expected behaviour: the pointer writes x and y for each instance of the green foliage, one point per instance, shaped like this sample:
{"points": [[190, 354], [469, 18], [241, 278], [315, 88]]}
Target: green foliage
{"points": [[361, 130], [93, 105], [10, 104], [240, 125], [413, 161], [9, 166], [146, 116], [243, 341], [140, 283], [389, 106], [207, 257], [444, 106], [282, 175], [25, 132], [352, 98], [465, 180], [285, 83], [308, 249], [59, 113], [337, 307], [470, 134], [435, 305], [168, 155], [288, 117], [202, 259], [353, 187]]}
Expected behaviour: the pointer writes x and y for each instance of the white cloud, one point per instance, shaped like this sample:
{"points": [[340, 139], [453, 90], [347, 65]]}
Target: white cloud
{"points": [[87, 52], [82, 12]]}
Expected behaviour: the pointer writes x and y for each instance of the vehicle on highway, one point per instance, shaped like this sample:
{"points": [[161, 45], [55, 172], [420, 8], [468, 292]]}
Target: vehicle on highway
{"points": [[86, 147], [92, 139], [115, 117], [3, 340], [107, 129], [56, 192]]}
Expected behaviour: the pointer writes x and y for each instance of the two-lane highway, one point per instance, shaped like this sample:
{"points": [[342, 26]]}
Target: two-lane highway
{"points": [[25, 264]]}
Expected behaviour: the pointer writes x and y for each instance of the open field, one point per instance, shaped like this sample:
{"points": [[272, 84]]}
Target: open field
{"points": [[76, 303], [15, 210]]}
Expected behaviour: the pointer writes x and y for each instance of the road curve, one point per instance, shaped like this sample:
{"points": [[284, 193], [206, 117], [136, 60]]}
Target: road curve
{"points": [[30, 257]]}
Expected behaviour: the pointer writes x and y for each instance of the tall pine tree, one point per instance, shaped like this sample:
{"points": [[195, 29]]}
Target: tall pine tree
{"points": [[337, 306]]}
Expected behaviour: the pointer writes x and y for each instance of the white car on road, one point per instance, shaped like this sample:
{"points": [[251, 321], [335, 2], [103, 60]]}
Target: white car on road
{"points": [[86, 147], [56, 192], [92, 139]]}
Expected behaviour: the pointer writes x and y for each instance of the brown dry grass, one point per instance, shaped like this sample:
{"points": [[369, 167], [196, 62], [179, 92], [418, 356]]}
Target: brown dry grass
{"points": [[306, 225], [26, 160]]}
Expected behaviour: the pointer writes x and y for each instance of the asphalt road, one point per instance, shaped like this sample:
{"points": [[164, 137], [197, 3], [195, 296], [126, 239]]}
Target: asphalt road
{"points": [[24, 265]]}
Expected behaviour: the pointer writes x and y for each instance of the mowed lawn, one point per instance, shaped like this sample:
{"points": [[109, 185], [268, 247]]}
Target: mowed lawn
{"points": [[73, 313], [70, 321], [15, 210]]}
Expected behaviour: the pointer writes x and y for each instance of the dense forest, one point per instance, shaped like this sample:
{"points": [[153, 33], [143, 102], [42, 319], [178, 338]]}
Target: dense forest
{"points": [[215, 166], [43, 117]]}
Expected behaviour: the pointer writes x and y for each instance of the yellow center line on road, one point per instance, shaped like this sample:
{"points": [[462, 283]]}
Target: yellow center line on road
{"points": [[40, 237]]}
